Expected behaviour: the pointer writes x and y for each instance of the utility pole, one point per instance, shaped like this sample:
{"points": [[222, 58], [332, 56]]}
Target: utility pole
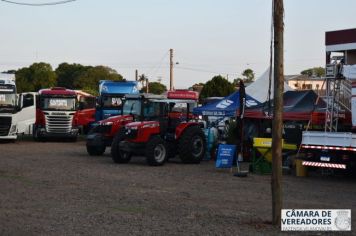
{"points": [[136, 75], [170, 69], [277, 123]]}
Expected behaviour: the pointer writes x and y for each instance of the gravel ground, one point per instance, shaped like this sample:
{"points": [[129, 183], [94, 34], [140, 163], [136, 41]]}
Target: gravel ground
{"points": [[57, 189]]}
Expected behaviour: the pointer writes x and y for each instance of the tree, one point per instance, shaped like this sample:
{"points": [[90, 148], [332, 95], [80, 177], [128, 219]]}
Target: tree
{"points": [[315, 71], [89, 79], [236, 81], [155, 88], [218, 86], [142, 79], [37, 76], [67, 74], [249, 76]]}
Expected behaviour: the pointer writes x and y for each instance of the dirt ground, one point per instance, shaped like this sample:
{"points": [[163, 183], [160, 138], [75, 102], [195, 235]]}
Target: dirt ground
{"points": [[57, 189]]}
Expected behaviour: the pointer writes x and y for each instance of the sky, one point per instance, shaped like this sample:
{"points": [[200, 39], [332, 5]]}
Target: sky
{"points": [[209, 37]]}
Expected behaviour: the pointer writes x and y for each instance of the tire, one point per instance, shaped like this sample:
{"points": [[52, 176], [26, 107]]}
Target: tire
{"points": [[156, 151], [117, 155], [192, 145], [36, 135], [95, 151]]}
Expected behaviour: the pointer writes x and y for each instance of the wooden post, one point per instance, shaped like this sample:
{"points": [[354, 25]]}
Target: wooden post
{"points": [[136, 75], [277, 123]]}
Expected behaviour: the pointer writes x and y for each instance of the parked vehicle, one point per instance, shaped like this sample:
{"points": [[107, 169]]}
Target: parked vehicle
{"points": [[86, 110], [172, 131], [335, 147], [57, 114], [17, 112], [134, 107], [110, 97]]}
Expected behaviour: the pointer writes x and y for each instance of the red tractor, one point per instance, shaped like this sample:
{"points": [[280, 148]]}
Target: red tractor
{"points": [[172, 131], [135, 107]]}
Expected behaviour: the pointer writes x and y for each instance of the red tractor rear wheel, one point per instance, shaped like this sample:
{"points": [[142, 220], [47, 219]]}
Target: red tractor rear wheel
{"points": [[192, 145]]}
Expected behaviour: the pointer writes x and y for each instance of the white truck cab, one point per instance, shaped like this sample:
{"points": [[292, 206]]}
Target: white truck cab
{"points": [[17, 112]]}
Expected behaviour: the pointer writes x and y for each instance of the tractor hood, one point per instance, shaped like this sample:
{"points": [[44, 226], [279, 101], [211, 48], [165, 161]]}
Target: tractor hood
{"points": [[142, 124], [114, 119]]}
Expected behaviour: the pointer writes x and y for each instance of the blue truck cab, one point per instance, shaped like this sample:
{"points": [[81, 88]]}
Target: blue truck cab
{"points": [[111, 94]]}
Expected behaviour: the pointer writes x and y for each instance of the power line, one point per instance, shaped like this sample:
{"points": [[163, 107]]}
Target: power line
{"points": [[39, 4]]}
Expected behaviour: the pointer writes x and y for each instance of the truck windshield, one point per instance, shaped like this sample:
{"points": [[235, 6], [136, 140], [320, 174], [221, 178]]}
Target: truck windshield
{"points": [[112, 102], [132, 107], [58, 103], [7, 100]]}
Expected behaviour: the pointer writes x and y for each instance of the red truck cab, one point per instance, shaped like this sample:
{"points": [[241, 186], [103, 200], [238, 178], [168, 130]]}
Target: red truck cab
{"points": [[57, 114]]}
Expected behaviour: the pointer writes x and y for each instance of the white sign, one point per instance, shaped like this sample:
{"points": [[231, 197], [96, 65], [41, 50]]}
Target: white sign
{"points": [[316, 220], [58, 103], [116, 101]]}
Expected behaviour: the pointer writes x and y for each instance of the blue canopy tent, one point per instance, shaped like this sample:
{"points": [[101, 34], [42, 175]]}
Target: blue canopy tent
{"points": [[226, 106]]}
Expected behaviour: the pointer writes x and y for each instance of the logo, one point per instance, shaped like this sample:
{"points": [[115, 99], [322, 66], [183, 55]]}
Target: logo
{"points": [[58, 114], [224, 104], [251, 103], [316, 220], [342, 220]]}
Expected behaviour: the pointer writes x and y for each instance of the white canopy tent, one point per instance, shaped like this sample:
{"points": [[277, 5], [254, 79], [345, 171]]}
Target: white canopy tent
{"points": [[259, 88]]}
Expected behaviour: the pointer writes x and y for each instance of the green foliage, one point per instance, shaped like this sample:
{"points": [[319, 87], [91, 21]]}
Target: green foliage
{"points": [[218, 86], [142, 79], [37, 76], [71, 76], [89, 79], [68, 73], [249, 76], [315, 71], [236, 81], [155, 88]]}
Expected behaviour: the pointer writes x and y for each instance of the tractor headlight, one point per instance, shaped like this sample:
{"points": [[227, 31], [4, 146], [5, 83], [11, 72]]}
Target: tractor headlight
{"points": [[106, 123]]}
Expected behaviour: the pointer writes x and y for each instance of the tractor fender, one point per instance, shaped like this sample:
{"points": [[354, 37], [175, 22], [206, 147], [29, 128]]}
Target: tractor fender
{"points": [[182, 126]]}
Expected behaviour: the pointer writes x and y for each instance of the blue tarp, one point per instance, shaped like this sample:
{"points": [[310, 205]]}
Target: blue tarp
{"points": [[225, 107]]}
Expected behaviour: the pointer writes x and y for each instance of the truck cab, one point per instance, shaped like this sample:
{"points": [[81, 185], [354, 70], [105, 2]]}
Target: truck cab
{"points": [[56, 114], [111, 94], [9, 106]]}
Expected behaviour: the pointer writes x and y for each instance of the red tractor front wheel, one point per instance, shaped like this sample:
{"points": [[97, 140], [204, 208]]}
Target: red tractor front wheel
{"points": [[156, 151]]}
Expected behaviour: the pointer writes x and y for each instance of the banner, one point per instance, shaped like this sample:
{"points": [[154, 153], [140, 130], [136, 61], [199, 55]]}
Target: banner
{"points": [[225, 156]]}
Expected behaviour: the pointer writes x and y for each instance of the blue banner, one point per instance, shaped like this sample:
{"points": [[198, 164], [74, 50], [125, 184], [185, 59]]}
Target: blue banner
{"points": [[225, 156]]}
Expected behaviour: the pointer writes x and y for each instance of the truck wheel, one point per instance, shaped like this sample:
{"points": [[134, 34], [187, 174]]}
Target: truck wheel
{"points": [[117, 155], [95, 151], [36, 135], [192, 145], [156, 151]]}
